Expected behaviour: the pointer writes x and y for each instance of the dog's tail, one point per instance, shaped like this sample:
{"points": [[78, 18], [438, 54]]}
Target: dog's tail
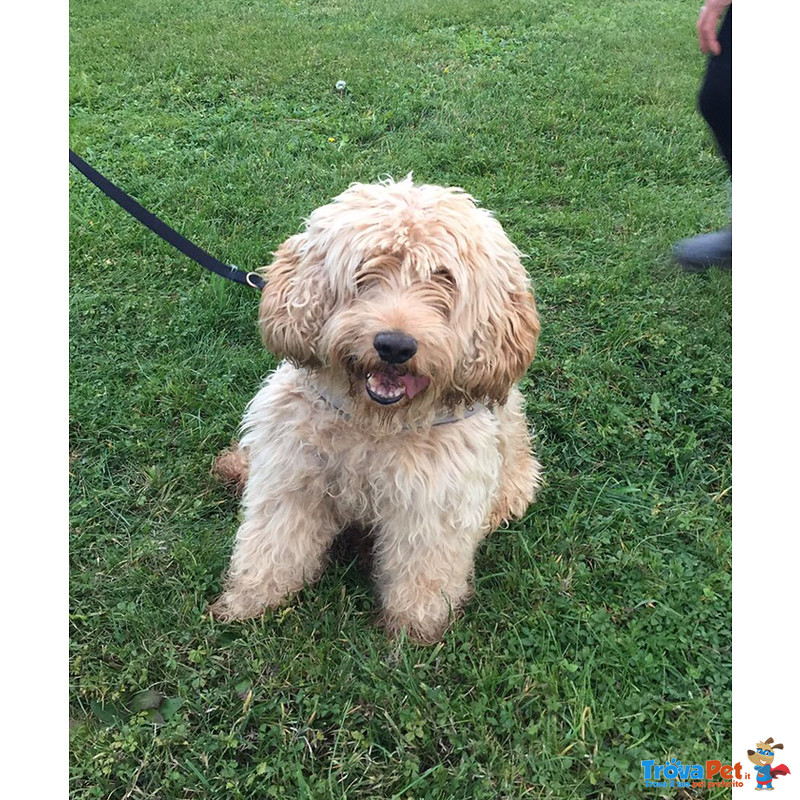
{"points": [[231, 467]]}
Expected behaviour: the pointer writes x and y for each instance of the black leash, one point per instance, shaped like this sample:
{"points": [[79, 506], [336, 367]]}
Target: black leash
{"points": [[163, 230]]}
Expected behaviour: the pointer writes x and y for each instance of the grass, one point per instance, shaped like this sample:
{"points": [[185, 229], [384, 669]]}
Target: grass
{"points": [[600, 633]]}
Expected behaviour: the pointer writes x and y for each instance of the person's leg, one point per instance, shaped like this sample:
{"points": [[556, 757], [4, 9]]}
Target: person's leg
{"points": [[698, 253], [714, 99]]}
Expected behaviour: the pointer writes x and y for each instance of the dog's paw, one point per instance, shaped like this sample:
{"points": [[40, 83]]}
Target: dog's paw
{"points": [[425, 632], [228, 608], [220, 610], [231, 468]]}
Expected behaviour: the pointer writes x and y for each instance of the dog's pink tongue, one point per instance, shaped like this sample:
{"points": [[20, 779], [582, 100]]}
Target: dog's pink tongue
{"points": [[414, 384]]}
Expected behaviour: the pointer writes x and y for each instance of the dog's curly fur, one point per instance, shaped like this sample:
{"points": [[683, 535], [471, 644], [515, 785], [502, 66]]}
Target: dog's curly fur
{"points": [[430, 452]]}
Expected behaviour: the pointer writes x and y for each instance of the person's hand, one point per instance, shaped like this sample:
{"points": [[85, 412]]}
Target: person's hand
{"points": [[707, 25]]}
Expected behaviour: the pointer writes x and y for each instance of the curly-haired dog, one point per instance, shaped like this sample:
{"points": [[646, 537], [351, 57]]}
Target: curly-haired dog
{"points": [[406, 319]]}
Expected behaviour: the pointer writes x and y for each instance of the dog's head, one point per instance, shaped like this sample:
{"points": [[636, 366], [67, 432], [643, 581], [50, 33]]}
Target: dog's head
{"points": [[406, 295], [765, 752]]}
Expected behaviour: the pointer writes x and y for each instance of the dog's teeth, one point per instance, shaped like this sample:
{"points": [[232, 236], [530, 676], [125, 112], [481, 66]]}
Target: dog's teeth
{"points": [[381, 387]]}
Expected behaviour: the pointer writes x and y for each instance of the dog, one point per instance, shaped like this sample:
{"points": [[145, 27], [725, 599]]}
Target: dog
{"points": [[405, 320]]}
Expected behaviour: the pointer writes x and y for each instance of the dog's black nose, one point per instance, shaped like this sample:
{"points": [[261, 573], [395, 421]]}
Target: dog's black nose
{"points": [[395, 347]]}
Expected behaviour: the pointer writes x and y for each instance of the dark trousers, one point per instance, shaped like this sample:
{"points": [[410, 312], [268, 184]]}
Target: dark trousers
{"points": [[715, 93]]}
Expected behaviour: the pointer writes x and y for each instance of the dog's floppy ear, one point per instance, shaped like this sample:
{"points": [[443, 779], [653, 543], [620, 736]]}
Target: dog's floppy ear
{"points": [[295, 302], [496, 311], [503, 346]]}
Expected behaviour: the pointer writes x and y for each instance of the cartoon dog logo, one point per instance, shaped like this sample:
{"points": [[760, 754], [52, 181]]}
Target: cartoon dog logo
{"points": [[762, 757]]}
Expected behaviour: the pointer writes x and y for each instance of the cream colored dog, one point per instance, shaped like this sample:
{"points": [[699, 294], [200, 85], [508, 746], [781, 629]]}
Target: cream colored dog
{"points": [[406, 319]]}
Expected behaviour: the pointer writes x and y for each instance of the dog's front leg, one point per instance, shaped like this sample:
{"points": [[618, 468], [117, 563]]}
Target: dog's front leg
{"points": [[280, 546], [426, 540], [424, 574]]}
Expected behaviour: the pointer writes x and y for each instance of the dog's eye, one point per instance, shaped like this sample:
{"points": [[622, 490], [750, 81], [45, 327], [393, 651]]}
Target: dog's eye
{"points": [[373, 272], [444, 277], [367, 279], [439, 292]]}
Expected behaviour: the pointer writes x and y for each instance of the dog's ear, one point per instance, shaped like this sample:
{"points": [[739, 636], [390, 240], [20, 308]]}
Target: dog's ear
{"points": [[495, 311], [503, 346], [295, 302]]}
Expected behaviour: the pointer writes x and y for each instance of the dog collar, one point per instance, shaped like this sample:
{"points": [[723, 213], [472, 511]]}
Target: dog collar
{"points": [[439, 419]]}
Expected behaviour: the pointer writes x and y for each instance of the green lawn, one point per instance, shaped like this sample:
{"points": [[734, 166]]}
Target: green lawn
{"points": [[600, 633]]}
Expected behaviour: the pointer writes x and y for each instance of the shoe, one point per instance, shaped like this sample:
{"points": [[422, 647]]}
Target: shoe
{"points": [[700, 253]]}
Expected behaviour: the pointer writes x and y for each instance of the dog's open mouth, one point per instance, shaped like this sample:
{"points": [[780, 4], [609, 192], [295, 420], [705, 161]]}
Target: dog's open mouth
{"points": [[387, 385]]}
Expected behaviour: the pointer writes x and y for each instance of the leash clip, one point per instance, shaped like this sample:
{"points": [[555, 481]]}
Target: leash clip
{"points": [[254, 280]]}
